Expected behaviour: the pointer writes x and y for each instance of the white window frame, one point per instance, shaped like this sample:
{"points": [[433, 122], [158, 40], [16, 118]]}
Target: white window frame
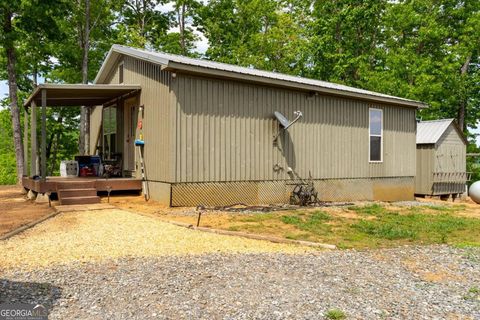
{"points": [[375, 135]]}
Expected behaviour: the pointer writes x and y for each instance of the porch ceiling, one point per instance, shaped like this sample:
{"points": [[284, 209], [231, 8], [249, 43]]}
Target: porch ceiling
{"points": [[79, 94]]}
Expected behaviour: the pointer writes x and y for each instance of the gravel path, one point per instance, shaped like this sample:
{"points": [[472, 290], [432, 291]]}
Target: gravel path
{"points": [[432, 282], [99, 235]]}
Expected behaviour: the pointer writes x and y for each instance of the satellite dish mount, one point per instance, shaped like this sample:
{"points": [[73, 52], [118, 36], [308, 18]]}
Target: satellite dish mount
{"points": [[284, 122]]}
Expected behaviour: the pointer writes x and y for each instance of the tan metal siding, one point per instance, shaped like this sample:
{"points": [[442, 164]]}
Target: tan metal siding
{"points": [[425, 165], [225, 129], [445, 158], [450, 155], [157, 125]]}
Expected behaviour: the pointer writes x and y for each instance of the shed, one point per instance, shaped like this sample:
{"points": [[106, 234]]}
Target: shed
{"points": [[209, 131], [441, 158]]}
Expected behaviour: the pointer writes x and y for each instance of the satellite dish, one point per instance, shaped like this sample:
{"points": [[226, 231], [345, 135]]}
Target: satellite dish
{"points": [[282, 119]]}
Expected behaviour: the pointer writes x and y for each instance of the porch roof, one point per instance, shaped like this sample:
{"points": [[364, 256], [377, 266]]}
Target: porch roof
{"points": [[79, 94]]}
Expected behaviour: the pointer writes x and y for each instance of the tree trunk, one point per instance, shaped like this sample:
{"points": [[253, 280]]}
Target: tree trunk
{"points": [[181, 24], [85, 111], [12, 91], [463, 99]]}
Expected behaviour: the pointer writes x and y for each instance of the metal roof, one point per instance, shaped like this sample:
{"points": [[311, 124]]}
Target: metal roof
{"points": [[59, 94], [175, 63], [429, 132]]}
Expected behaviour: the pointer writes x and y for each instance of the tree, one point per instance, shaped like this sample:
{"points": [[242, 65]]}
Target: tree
{"points": [[268, 34], [89, 30], [8, 41], [144, 25], [141, 23], [344, 39], [183, 41], [430, 53], [21, 21]]}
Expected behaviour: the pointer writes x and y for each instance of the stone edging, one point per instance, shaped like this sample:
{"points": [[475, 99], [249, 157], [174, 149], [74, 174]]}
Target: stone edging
{"points": [[28, 225]]}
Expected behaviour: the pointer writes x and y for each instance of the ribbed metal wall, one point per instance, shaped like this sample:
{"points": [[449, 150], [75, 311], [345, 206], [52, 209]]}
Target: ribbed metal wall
{"points": [[447, 156], [225, 129], [450, 154], [157, 123], [425, 165]]}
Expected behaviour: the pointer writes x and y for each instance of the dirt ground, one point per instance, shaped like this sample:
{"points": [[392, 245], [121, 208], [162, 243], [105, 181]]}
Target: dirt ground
{"points": [[16, 210], [470, 209], [340, 229]]}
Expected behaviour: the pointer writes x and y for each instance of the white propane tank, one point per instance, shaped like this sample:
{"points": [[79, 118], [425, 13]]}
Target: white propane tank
{"points": [[474, 192]]}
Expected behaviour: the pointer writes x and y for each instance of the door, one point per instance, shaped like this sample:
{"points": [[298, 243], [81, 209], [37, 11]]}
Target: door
{"points": [[130, 123]]}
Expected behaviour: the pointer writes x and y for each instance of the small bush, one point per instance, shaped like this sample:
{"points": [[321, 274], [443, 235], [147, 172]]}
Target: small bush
{"points": [[335, 314]]}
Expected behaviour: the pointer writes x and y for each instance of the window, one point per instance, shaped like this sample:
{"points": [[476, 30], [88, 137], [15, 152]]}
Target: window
{"points": [[120, 73], [109, 131], [375, 133]]}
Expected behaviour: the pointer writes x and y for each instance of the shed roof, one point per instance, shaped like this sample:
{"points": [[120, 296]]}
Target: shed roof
{"points": [[430, 132], [62, 94], [200, 66]]}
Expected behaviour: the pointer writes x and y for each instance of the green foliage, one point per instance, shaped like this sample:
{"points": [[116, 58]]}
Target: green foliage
{"points": [[473, 294], [269, 35], [435, 227], [419, 49], [314, 222], [370, 209], [7, 156], [335, 314], [385, 229]]}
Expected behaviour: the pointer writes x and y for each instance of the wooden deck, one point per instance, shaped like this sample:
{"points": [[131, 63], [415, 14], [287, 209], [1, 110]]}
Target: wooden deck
{"points": [[101, 184]]}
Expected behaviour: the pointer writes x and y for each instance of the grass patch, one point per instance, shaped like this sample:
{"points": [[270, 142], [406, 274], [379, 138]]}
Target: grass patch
{"points": [[370, 209], [386, 230], [370, 226], [467, 245], [430, 228], [314, 223], [473, 294], [335, 314], [453, 208], [257, 217]]}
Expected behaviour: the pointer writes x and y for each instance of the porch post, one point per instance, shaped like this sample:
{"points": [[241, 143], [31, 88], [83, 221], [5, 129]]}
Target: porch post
{"points": [[25, 141], [33, 139], [43, 162]]}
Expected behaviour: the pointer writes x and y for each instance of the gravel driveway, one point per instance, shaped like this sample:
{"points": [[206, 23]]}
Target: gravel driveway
{"points": [[433, 282]]}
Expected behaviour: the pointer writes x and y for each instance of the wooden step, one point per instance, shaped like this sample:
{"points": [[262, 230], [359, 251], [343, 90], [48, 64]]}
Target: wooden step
{"points": [[69, 193], [80, 200], [64, 185]]}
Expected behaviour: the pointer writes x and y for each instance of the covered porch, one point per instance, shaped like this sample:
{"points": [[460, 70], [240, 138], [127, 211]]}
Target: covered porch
{"points": [[93, 96]]}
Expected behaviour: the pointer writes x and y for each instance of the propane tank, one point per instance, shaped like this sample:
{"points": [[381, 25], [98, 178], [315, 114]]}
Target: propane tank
{"points": [[474, 192]]}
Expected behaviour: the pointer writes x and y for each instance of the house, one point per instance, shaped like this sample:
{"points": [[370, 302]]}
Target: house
{"points": [[441, 159], [211, 136]]}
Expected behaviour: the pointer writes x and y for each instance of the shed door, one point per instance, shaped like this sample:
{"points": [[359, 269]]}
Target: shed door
{"points": [[130, 122]]}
